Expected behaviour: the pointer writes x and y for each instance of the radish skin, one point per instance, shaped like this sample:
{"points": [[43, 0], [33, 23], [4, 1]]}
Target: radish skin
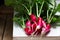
{"points": [[33, 17], [45, 29], [28, 23], [44, 23], [28, 31], [38, 25], [39, 22], [33, 26]]}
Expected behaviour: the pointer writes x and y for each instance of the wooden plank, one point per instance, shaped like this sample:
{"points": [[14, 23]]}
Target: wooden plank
{"points": [[36, 38], [2, 22], [2, 17], [8, 30], [6, 10]]}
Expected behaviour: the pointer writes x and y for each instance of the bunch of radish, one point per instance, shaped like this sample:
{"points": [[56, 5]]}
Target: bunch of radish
{"points": [[36, 25], [32, 22]]}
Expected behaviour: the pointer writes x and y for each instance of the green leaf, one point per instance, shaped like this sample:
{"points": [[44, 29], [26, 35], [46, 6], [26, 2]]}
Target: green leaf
{"points": [[49, 2], [54, 19], [9, 2], [58, 8]]}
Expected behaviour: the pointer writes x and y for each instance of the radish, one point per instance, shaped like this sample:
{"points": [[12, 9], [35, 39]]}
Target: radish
{"points": [[33, 17], [29, 12], [39, 22], [43, 23], [37, 25], [28, 24], [33, 26], [49, 19], [45, 30], [28, 31], [46, 27]]}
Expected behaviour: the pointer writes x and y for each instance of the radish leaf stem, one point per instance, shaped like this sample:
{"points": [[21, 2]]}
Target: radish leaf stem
{"points": [[51, 19], [23, 25], [41, 8], [25, 8], [47, 15], [37, 8], [30, 10]]}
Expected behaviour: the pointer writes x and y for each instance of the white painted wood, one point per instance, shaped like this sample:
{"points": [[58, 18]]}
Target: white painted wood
{"points": [[19, 32]]}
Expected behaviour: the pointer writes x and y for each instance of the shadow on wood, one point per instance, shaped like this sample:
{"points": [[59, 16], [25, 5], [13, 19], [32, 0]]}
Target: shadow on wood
{"points": [[6, 23]]}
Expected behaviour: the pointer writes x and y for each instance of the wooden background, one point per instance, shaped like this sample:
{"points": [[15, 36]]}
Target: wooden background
{"points": [[6, 14]]}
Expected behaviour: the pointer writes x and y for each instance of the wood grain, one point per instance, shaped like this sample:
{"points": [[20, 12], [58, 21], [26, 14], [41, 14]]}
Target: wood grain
{"points": [[6, 10], [6, 14], [8, 30], [2, 23], [36, 38]]}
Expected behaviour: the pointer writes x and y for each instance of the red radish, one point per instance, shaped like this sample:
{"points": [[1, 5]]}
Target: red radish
{"points": [[28, 24], [28, 31], [46, 29], [38, 25], [33, 26], [44, 23], [33, 17], [39, 22]]}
